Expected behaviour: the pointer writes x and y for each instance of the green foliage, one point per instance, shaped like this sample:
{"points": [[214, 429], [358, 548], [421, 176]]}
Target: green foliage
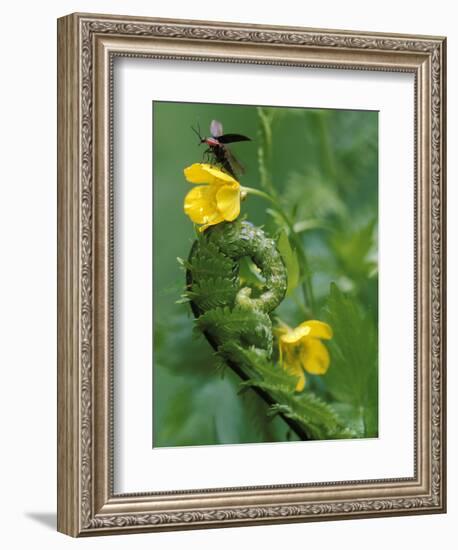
{"points": [[290, 259], [353, 250], [210, 413], [352, 378], [312, 195], [199, 400], [250, 275], [210, 264], [251, 326], [316, 417], [211, 293]]}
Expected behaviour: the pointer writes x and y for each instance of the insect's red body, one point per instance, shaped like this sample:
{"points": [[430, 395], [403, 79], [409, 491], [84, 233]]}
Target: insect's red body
{"points": [[212, 142]]}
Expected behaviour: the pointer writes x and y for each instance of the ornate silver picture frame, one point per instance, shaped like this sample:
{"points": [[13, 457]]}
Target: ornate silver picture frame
{"points": [[87, 47]]}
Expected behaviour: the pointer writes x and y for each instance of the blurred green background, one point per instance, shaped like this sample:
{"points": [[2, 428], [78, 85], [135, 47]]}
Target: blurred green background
{"points": [[323, 165]]}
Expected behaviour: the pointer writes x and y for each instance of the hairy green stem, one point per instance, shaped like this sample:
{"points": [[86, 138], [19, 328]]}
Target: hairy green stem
{"points": [[307, 289], [264, 159], [265, 151]]}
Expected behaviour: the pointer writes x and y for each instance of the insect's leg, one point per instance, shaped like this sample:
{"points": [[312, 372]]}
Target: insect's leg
{"points": [[207, 155]]}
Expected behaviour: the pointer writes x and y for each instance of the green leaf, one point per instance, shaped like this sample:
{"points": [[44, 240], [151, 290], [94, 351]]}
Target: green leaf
{"points": [[353, 250], [176, 349], [308, 225], [207, 413], [250, 274], [314, 195], [353, 375], [211, 293], [352, 417], [370, 411], [210, 262], [290, 260], [225, 325], [190, 410], [317, 418]]}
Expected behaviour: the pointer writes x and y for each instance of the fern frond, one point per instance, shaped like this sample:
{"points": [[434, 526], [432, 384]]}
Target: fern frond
{"points": [[209, 261], [317, 417], [211, 293], [249, 327]]}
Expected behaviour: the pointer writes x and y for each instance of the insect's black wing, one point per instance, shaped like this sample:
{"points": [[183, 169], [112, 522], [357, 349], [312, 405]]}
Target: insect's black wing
{"points": [[236, 166], [231, 138]]}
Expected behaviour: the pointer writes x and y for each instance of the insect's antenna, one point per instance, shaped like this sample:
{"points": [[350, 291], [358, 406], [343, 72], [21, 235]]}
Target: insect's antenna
{"points": [[197, 132]]}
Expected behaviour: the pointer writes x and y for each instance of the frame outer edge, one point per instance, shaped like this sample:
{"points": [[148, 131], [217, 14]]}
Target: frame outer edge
{"points": [[134, 19], [68, 277], [76, 395], [443, 281]]}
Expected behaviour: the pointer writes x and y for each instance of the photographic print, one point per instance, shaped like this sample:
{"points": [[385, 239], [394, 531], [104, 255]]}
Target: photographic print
{"points": [[265, 274]]}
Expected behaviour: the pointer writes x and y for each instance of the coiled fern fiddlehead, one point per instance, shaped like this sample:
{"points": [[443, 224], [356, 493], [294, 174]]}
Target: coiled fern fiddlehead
{"points": [[237, 320]]}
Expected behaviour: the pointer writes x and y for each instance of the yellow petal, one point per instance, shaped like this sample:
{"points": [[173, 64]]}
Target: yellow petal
{"points": [[219, 175], [314, 356], [228, 201], [290, 362], [196, 173], [301, 381], [200, 204], [317, 329], [280, 330], [207, 173], [212, 220], [296, 334]]}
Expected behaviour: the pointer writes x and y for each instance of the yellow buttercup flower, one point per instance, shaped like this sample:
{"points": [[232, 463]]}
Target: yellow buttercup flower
{"points": [[216, 201], [301, 349]]}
